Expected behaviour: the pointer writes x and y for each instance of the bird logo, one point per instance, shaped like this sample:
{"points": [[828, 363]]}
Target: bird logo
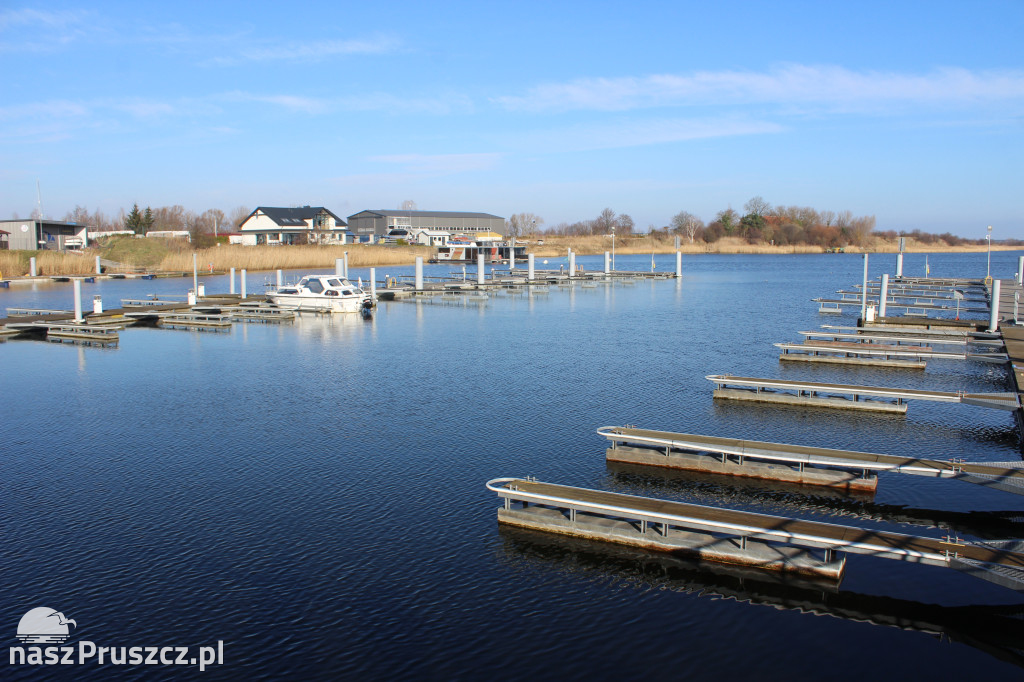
{"points": [[44, 625]]}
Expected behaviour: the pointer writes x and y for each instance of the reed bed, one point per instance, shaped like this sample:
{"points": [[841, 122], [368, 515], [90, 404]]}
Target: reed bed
{"points": [[49, 263]]}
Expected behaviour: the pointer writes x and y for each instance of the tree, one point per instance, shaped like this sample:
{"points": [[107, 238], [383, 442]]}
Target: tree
{"points": [[147, 220], [519, 224], [624, 224], [212, 220], [757, 206], [686, 223], [728, 219], [407, 205], [238, 216], [134, 220], [604, 223]]}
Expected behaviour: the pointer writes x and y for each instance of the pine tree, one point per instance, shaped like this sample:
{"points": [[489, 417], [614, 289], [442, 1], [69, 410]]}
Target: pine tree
{"points": [[133, 221], [147, 221]]}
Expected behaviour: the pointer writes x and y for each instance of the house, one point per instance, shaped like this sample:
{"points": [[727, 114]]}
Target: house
{"points": [[31, 234], [373, 225], [300, 225]]}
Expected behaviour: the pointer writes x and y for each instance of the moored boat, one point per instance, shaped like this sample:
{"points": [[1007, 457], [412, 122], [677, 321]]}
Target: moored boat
{"points": [[327, 293]]}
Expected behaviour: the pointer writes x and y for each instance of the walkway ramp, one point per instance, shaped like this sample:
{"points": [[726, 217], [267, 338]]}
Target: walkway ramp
{"points": [[740, 537]]}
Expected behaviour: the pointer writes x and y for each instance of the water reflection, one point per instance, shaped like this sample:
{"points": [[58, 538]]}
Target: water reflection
{"points": [[998, 630], [797, 500]]}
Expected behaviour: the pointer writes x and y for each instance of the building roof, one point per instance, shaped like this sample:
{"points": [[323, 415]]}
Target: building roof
{"points": [[426, 214], [293, 217]]}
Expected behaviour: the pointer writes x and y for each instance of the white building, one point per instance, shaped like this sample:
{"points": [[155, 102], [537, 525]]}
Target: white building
{"points": [[304, 224]]}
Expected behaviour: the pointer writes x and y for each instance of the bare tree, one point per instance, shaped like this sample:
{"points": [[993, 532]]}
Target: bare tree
{"points": [[212, 220], [407, 205], [238, 216], [844, 219], [604, 223], [686, 223], [827, 217], [757, 206], [624, 223], [519, 224]]}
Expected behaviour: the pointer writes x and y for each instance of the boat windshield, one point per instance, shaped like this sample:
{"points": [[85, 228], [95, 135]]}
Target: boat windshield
{"points": [[315, 285], [334, 282]]}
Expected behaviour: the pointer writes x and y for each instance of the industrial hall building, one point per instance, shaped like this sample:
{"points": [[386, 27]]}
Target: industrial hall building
{"points": [[373, 225]]}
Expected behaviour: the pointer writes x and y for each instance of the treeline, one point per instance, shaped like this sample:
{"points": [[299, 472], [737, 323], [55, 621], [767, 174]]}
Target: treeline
{"points": [[143, 220], [762, 223], [607, 222]]}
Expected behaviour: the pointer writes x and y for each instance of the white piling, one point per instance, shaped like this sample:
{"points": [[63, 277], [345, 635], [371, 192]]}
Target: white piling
{"points": [[572, 263], [201, 291], [607, 263], [99, 268], [373, 283], [346, 265], [78, 300], [195, 273], [97, 305], [512, 255], [679, 264], [232, 289], [864, 290], [280, 279], [32, 266], [480, 274], [419, 273], [242, 278], [529, 267], [339, 267], [993, 319], [192, 300], [899, 265], [884, 294], [1020, 270]]}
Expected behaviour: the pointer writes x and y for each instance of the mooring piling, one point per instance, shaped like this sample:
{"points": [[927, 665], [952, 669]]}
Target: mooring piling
{"points": [[243, 284], [883, 294], [231, 290], [993, 320], [78, 300], [419, 273]]}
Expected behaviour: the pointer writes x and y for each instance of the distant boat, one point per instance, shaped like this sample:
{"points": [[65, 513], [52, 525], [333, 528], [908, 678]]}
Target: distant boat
{"points": [[327, 293]]}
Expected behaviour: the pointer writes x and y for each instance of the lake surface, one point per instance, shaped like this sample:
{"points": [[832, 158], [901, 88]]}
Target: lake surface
{"points": [[313, 494]]}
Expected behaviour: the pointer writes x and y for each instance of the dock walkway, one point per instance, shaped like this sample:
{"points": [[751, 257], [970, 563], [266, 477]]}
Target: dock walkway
{"points": [[740, 537]]}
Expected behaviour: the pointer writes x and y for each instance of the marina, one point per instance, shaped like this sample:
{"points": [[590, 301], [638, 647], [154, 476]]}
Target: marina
{"points": [[231, 516]]}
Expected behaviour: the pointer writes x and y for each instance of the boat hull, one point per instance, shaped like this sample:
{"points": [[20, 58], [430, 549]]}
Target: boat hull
{"points": [[332, 304]]}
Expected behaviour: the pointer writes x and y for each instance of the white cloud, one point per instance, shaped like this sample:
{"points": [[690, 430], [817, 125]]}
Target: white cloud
{"points": [[830, 86], [32, 30], [312, 50], [444, 164], [636, 133]]}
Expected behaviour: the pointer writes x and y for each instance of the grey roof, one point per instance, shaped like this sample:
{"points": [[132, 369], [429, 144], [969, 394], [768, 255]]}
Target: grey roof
{"points": [[427, 214], [293, 217]]}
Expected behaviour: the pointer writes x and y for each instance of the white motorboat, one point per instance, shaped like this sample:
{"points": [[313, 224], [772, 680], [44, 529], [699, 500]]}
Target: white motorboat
{"points": [[328, 293]]}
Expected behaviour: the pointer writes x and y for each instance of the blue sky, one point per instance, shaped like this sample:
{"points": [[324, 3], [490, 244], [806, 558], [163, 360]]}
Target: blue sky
{"points": [[909, 111]]}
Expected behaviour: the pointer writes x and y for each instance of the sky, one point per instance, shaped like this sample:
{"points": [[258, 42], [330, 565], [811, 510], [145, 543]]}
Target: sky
{"points": [[909, 111]]}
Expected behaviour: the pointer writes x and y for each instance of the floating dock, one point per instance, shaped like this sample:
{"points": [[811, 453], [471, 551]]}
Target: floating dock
{"points": [[844, 469], [737, 537], [848, 397]]}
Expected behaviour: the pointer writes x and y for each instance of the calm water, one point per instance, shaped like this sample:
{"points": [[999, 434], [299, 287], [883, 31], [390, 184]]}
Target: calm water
{"points": [[312, 494]]}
